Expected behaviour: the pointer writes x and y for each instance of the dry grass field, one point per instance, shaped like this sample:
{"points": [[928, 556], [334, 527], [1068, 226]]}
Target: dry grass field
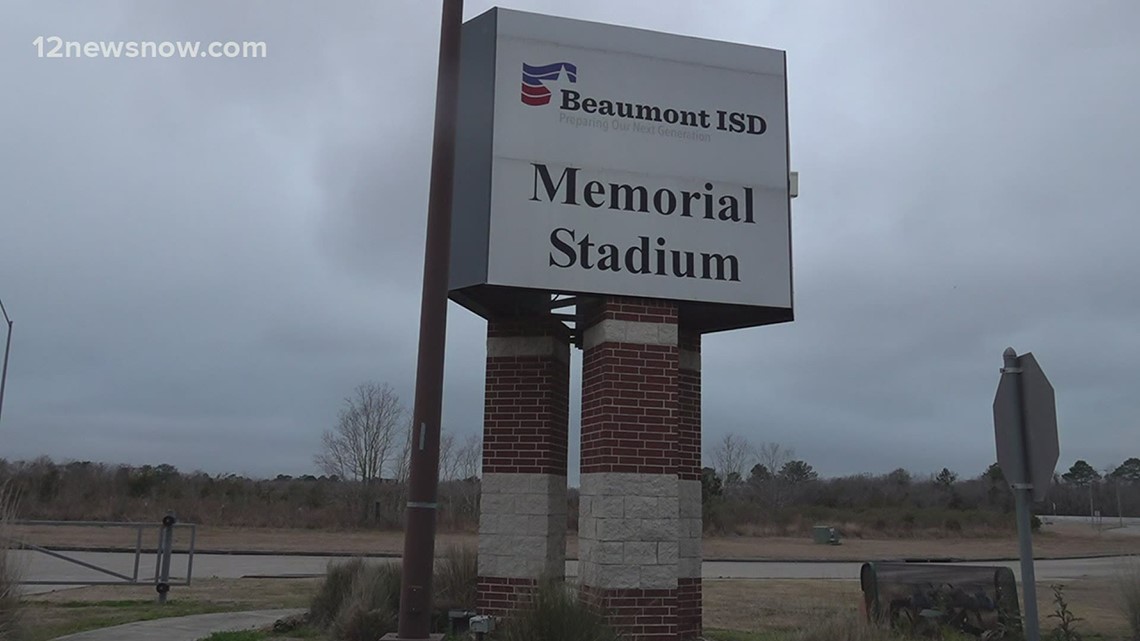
{"points": [[765, 606], [746, 606], [1064, 540]]}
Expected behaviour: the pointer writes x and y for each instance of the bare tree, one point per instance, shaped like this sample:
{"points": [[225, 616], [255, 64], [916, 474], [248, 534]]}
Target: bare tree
{"points": [[463, 490], [733, 456], [774, 456], [404, 457], [361, 444], [447, 460], [469, 458], [401, 470], [459, 461]]}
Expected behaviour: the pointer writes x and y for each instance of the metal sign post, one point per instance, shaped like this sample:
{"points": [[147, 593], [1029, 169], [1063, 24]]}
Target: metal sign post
{"points": [[423, 485], [1025, 431]]}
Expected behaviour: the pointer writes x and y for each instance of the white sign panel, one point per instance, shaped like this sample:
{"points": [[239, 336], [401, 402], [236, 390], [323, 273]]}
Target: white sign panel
{"points": [[626, 162]]}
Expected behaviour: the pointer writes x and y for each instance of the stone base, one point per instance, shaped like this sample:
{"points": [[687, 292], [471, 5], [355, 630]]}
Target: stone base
{"points": [[393, 636], [522, 525], [627, 531]]}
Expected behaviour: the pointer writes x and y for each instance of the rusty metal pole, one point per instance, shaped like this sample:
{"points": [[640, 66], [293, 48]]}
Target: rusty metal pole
{"points": [[419, 532]]}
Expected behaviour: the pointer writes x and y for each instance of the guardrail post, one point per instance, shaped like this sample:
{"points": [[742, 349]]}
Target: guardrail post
{"points": [[165, 548]]}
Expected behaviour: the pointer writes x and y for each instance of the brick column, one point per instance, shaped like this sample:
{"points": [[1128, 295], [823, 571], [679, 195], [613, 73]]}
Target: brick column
{"points": [[522, 515], [689, 486], [629, 509]]}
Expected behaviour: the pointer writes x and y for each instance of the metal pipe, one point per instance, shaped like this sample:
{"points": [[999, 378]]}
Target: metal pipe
{"points": [[138, 550], [1092, 511], [419, 534], [1119, 511], [69, 559], [7, 348], [158, 556], [190, 554], [167, 537]]}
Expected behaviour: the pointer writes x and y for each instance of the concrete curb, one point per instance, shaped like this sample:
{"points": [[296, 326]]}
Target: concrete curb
{"points": [[188, 628]]}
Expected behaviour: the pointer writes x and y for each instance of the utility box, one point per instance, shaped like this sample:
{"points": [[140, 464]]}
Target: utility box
{"points": [[825, 535]]}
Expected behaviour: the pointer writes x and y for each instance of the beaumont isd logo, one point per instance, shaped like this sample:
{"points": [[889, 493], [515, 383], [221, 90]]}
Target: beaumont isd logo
{"points": [[534, 92]]}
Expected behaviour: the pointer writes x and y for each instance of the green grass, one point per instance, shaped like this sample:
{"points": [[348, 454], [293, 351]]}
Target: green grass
{"points": [[69, 617]]}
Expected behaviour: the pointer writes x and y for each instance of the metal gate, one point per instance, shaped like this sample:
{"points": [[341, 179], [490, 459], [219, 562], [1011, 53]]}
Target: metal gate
{"points": [[163, 551]]}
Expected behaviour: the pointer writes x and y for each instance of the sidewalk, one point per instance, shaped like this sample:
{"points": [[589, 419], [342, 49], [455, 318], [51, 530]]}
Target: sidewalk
{"points": [[189, 628]]}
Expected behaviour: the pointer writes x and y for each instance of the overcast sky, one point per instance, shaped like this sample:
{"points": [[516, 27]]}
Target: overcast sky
{"points": [[203, 257]]}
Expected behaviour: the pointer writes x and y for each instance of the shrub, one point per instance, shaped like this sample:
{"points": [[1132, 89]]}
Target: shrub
{"points": [[332, 592], [371, 606], [1066, 620], [555, 613], [11, 606], [1129, 597], [358, 600], [456, 580]]}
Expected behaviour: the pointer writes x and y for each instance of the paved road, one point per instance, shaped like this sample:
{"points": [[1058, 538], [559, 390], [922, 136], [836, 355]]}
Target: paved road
{"points": [[189, 628], [1109, 525], [40, 567]]}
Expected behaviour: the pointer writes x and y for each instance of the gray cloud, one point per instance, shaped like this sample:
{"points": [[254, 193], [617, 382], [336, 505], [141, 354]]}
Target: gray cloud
{"points": [[204, 257]]}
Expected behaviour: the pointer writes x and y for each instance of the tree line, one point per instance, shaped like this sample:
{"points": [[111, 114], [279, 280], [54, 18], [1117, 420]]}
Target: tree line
{"points": [[765, 488], [363, 460]]}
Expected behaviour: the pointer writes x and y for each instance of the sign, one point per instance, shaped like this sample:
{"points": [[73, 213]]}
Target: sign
{"points": [[1028, 456], [600, 159]]}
